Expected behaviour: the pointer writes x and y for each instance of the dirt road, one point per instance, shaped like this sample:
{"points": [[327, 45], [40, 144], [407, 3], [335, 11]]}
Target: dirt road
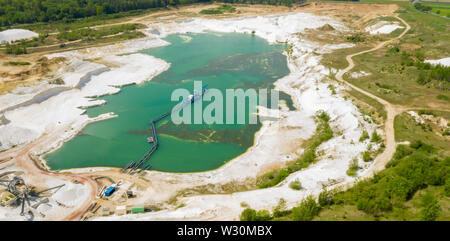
{"points": [[391, 110]]}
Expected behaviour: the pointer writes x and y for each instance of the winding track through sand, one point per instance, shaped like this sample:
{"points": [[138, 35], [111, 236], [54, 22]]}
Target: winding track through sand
{"points": [[391, 110]]}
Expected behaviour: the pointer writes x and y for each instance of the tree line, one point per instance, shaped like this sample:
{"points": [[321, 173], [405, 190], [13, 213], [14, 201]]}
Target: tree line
{"points": [[30, 11]]}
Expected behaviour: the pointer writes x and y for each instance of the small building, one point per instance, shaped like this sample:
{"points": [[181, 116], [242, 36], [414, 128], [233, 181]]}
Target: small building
{"points": [[138, 209], [121, 210], [129, 193]]}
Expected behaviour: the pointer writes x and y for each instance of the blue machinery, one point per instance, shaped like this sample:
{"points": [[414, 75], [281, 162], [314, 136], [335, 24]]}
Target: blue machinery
{"points": [[133, 166]]}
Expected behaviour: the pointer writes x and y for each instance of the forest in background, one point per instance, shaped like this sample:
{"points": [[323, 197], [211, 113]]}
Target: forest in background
{"points": [[31, 11]]}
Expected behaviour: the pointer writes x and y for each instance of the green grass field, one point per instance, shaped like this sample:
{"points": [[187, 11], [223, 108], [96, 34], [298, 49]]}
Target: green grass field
{"points": [[441, 8], [397, 82]]}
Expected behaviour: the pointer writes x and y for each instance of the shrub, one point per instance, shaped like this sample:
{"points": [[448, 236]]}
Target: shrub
{"points": [[430, 208], [211, 11], [274, 180], [332, 88], [375, 137], [364, 136], [227, 8], [400, 188], [296, 185], [353, 167], [426, 112], [447, 187], [367, 157], [252, 215], [419, 145], [374, 205], [423, 79], [443, 97], [355, 38], [280, 209], [326, 198], [16, 49], [402, 151], [354, 163], [262, 215], [306, 211], [446, 132], [322, 115], [248, 215], [394, 50], [57, 81], [17, 63]]}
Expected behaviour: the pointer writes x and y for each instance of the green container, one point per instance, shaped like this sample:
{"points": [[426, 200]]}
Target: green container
{"points": [[137, 209]]}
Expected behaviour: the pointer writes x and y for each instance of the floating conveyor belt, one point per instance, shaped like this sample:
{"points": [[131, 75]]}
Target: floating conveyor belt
{"points": [[135, 165]]}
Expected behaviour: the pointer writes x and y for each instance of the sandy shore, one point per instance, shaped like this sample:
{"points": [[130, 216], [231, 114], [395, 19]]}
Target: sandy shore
{"points": [[276, 143]]}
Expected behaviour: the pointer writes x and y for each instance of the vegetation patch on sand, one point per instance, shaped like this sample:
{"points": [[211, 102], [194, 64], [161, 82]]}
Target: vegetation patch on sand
{"points": [[220, 10], [17, 63], [323, 134], [92, 34]]}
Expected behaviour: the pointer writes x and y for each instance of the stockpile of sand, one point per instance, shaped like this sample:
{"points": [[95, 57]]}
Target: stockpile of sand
{"points": [[71, 194], [11, 35]]}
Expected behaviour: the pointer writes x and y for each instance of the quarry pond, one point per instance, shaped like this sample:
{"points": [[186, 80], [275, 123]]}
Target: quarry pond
{"points": [[222, 61]]}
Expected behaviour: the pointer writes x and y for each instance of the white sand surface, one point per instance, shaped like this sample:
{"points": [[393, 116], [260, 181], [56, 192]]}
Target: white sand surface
{"points": [[443, 61], [11, 35], [71, 194], [383, 27]]}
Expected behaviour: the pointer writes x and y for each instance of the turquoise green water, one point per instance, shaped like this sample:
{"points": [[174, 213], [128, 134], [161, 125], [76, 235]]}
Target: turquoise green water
{"points": [[222, 61]]}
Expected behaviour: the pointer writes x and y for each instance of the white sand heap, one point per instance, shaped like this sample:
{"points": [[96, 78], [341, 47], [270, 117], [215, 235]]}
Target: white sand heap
{"points": [[443, 62], [11, 35], [71, 194], [383, 27]]}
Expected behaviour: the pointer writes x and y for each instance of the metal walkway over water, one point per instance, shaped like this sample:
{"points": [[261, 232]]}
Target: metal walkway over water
{"points": [[133, 166]]}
